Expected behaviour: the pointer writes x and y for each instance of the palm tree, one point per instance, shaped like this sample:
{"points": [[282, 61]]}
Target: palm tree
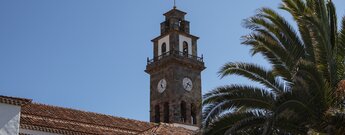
{"points": [[298, 93]]}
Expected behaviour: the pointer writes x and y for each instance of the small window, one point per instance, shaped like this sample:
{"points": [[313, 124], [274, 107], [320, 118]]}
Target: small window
{"points": [[185, 48], [193, 114], [183, 112], [176, 25], [157, 114], [166, 112], [164, 49], [180, 24]]}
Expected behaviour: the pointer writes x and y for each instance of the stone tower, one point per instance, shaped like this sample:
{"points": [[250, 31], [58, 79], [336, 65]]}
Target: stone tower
{"points": [[175, 73]]}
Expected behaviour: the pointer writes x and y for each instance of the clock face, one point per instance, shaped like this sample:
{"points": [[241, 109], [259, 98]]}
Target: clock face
{"points": [[161, 86], [187, 84]]}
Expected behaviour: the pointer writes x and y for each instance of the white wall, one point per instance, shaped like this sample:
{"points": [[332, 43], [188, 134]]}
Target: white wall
{"points": [[188, 40], [9, 119], [193, 128], [160, 42]]}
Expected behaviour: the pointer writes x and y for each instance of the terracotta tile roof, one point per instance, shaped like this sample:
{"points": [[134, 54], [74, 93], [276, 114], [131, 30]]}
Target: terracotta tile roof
{"points": [[167, 129], [60, 120], [14, 100]]}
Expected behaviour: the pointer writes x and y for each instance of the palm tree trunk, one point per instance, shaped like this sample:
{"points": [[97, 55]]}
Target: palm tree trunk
{"points": [[268, 127]]}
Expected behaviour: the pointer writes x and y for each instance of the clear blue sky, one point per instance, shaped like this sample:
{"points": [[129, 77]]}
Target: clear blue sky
{"points": [[91, 54]]}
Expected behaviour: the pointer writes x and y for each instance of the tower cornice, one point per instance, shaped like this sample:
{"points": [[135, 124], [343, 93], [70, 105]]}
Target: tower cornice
{"points": [[172, 32], [195, 63], [174, 11]]}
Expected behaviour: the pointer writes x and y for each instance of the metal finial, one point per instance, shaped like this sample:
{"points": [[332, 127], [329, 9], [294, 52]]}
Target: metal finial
{"points": [[174, 4]]}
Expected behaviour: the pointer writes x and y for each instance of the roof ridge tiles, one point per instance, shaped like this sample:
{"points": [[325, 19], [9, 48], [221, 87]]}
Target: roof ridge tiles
{"points": [[14, 100]]}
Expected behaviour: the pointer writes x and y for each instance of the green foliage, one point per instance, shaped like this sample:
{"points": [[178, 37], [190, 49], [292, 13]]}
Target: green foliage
{"points": [[298, 93]]}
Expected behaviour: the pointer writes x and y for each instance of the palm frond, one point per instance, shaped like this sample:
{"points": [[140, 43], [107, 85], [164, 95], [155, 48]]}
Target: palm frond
{"points": [[298, 9], [254, 73], [230, 120], [268, 33], [289, 39], [231, 98], [299, 93], [240, 96], [289, 126], [341, 52], [253, 122], [338, 121]]}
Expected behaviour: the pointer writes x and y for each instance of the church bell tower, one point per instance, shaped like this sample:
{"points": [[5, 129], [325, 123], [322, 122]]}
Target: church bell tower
{"points": [[175, 73]]}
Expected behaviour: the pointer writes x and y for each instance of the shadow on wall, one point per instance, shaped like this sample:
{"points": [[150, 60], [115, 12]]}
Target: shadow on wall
{"points": [[9, 119]]}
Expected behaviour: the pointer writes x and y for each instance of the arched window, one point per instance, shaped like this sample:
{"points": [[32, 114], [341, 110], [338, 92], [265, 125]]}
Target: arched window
{"points": [[183, 111], [157, 114], [193, 114], [166, 112], [185, 48], [164, 48]]}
